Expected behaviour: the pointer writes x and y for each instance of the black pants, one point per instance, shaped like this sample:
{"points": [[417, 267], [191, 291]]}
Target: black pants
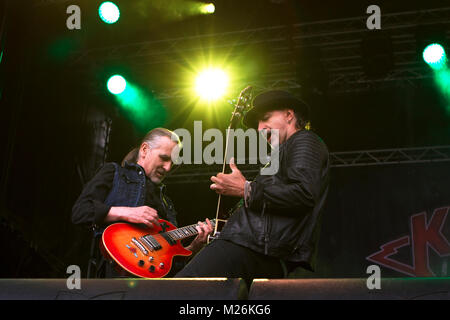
{"points": [[222, 258]]}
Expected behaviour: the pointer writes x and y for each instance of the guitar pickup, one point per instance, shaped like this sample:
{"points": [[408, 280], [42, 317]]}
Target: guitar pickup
{"points": [[168, 238], [151, 243], [139, 245]]}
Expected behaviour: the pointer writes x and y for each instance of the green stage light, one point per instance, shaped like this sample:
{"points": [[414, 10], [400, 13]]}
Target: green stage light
{"points": [[434, 55], [116, 84], [109, 12], [141, 107], [211, 84]]}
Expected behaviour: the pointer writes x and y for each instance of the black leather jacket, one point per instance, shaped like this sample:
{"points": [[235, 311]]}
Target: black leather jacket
{"points": [[284, 210]]}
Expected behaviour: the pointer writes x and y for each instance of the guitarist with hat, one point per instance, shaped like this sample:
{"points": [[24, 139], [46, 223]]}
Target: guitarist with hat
{"points": [[276, 229]]}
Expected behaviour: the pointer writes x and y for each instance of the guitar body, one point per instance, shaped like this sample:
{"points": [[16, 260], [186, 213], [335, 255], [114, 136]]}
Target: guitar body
{"points": [[142, 251]]}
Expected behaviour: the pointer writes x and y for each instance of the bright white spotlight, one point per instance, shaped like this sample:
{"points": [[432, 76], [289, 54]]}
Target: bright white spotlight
{"points": [[211, 84], [116, 84], [434, 55], [109, 12]]}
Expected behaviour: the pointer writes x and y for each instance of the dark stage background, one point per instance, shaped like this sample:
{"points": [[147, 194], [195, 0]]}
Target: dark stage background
{"points": [[59, 124]]}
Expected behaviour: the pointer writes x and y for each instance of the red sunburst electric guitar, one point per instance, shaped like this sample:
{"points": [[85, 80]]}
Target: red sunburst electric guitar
{"points": [[146, 252]]}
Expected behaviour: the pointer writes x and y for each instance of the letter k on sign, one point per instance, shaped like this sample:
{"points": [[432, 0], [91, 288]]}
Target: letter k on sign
{"points": [[423, 235]]}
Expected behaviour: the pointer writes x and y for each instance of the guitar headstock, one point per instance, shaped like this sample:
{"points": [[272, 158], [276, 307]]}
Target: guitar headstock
{"points": [[243, 103]]}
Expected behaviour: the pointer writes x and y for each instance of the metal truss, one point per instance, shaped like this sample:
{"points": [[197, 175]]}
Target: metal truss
{"points": [[202, 173], [338, 35], [338, 41], [390, 156]]}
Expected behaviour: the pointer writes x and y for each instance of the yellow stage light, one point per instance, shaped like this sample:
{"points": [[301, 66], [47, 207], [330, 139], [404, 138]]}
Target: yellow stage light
{"points": [[211, 84], [209, 8]]}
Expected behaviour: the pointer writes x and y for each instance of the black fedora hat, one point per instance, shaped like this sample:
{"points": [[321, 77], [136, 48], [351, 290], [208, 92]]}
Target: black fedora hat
{"points": [[274, 100]]}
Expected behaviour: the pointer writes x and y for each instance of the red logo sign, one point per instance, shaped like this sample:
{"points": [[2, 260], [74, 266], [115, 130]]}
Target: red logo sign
{"points": [[423, 236]]}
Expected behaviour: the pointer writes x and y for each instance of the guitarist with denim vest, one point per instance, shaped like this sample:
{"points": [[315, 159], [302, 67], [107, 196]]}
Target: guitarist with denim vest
{"points": [[133, 192]]}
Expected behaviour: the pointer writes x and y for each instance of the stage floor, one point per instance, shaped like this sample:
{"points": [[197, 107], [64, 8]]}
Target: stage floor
{"points": [[224, 289]]}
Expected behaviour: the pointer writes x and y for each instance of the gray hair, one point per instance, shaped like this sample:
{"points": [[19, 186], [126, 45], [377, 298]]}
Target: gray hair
{"points": [[152, 139]]}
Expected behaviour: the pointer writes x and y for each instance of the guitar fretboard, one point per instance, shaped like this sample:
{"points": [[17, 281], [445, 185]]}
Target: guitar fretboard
{"points": [[185, 232]]}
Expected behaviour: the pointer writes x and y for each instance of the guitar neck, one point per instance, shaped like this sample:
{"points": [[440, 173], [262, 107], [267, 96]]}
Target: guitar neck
{"points": [[185, 232]]}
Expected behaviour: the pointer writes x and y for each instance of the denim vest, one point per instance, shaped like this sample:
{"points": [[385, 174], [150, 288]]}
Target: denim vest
{"points": [[129, 190]]}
